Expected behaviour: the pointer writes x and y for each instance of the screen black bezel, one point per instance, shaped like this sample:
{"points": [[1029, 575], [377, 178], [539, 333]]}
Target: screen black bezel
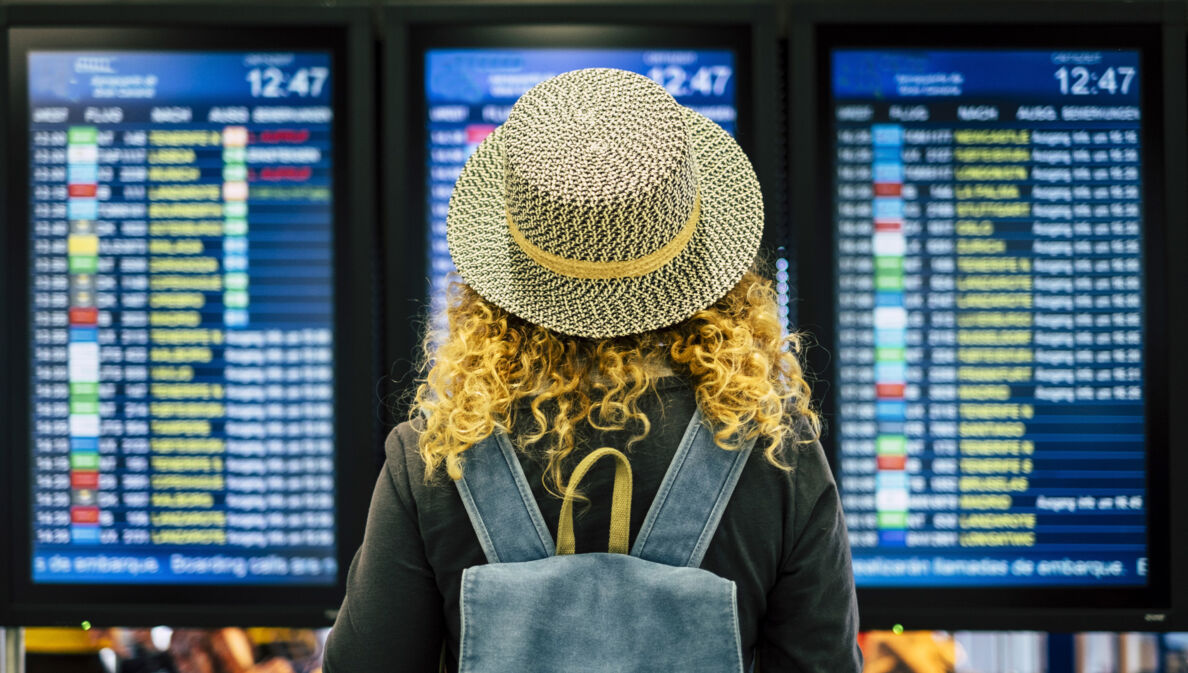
{"points": [[5, 369], [1066, 608], [356, 428], [749, 31]]}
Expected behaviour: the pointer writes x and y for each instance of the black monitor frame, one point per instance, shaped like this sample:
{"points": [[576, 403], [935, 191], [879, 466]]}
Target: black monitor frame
{"points": [[6, 391], [748, 29], [347, 33], [1156, 29]]}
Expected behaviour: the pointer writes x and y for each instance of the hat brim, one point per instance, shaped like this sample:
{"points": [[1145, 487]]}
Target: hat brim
{"points": [[722, 248]]}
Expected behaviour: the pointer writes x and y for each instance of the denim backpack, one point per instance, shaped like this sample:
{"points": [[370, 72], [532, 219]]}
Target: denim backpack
{"points": [[529, 610]]}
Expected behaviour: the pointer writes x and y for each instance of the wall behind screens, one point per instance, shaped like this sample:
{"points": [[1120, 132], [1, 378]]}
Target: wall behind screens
{"points": [[461, 79], [197, 404], [994, 205]]}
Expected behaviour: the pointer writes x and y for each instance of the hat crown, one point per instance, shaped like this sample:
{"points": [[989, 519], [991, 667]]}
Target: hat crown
{"points": [[598, 166]]}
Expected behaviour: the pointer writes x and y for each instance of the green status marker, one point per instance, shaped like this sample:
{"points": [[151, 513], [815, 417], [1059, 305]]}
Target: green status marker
{"points": [[897, 629]]}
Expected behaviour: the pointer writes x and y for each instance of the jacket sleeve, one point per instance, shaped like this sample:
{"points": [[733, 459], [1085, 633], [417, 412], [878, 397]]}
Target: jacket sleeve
{"points": [[811, 625], [392, 617]]}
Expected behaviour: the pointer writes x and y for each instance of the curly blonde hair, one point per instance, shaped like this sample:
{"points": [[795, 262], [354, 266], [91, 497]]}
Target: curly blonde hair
{"points": [[744, 369]]}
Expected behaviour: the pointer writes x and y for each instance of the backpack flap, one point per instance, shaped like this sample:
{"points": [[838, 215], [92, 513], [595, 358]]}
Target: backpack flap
{"points": [[597, 613]]}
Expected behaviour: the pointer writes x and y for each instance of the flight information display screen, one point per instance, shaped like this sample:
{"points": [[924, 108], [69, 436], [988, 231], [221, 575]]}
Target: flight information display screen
{"points": [[181, 279], [988, 219], [470, 91]]}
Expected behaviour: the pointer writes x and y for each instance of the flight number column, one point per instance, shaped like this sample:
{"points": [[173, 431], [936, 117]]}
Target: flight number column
{"points": [[930, 226]]}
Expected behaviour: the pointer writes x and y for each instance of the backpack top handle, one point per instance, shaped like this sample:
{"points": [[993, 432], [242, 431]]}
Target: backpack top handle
{"points": [[620, 523]]}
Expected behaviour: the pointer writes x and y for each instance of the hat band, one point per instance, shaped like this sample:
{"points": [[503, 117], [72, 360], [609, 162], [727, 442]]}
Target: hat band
{"points": [[628, 268]]}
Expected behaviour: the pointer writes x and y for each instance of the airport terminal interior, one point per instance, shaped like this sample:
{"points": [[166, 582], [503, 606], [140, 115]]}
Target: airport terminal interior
{"points": [[226, 233]]}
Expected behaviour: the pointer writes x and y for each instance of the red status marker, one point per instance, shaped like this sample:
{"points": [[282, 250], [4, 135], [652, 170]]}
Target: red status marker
{"points": [[82, 514], [84, 479], [84, 316]]}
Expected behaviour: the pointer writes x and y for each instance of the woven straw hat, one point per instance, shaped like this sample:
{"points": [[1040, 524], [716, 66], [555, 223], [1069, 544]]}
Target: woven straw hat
{"points": [[603, 208]]}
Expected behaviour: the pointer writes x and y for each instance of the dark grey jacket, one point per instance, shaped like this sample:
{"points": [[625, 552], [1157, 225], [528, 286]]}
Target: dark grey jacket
{"points": [[781, 539]]}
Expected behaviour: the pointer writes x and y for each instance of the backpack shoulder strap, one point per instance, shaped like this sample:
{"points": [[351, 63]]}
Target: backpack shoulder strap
{"points": [[689, 504], [500, 503]]}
